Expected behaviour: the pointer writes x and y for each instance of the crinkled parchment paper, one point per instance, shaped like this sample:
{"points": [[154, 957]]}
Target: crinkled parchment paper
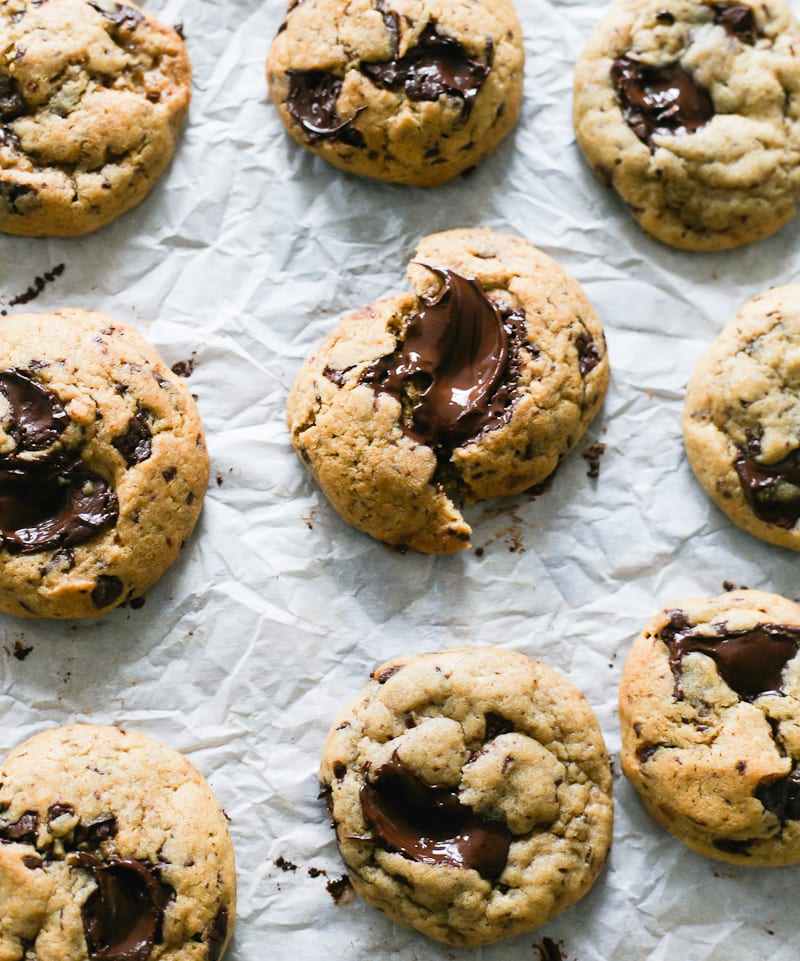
{"points": [[244, 256]]}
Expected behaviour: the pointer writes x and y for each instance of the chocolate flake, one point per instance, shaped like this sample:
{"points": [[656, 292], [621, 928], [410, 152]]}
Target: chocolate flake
{"points": [[428, 823], [438, 65], [751, 662], [457, 367], [592, 456], [660, 100]]}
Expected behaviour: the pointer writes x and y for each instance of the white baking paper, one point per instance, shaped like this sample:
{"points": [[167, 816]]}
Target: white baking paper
{"points": [[244, 256]]}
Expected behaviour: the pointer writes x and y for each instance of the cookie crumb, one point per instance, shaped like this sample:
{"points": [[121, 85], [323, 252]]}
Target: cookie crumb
{"points": [[592, 456]]}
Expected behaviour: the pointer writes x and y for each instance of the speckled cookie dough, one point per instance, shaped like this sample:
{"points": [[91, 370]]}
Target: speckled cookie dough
{"points": [[476, 386], [471, 793], [741, 420], [103, 464], [411, 91], [710, 722], [691, 111], [112, 847], [92, 96]]}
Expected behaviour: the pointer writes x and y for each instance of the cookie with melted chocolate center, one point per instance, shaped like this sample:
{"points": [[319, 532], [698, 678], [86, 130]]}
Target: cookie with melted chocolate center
{"points": [[475, 386], [710, 725], [112, 846], [411, 91], [691, 111], [470, 790], [741, 420], [93, 94], [103, 464]]}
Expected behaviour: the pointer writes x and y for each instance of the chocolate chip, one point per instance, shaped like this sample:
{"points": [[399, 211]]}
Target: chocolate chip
{"points": [[384, 676], [118, 13], [106, 590], [23, 831], [184, 368], [136, 444], [32, 862], [781, 797], [738, 21], [496, 725], [12, 103], [217, 935]]}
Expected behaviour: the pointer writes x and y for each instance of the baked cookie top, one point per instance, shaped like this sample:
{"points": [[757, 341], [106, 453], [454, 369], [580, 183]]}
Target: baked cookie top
{"points": [[741, 420], [471, 793], [691, 111], [92, 96], [112, 846], [475, 386], [412, 91], [710, 715], [103, 464]]}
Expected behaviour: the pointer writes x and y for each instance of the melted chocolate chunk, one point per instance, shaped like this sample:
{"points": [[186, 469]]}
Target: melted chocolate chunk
{"points": [[660, 100], [107, 589], [12, 103], [52, 500], [215, 939], [750, 662], [136, 444], [23, 831], [56, 811], [312, 102], [457, 366], [95, 832], [782, 797], [496, 725], [428, 823], [119, 14], [738, 20], [772, 490], [123, 919], [437, 65]]}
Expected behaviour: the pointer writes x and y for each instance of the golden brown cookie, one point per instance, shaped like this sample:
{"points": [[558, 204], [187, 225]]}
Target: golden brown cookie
{"points": [[475, 386], [471, 793], [103, 464], [412, 91], [711, 725], [93, 94], [741, 420], [112, 846], [691, 111]]}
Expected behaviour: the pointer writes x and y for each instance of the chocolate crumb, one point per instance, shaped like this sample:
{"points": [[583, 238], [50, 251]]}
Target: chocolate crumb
{"points": [[340, 889], [37, 286], [185, 368], [137, 603], [220, 479], [20, 651], [315, 872], [730, 586], [592, 456], [178, 28], [549, 950], [285, 865]]}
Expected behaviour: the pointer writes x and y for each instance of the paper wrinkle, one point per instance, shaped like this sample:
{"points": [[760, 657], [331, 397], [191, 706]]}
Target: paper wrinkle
{"points": [[245, 256]]}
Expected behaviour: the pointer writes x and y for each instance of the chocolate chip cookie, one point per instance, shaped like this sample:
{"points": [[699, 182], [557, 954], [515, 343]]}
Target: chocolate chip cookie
{"points": [[412, 91], [741, 420], [92, 96], [112, 846], [710, 722], [471, 793], [475, 386], [103, 464], [691, 111]]}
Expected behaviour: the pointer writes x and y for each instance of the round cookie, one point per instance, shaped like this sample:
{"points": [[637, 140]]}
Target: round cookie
{"points": [[92, 96], [103, 464], [710, 715], [741, 420], [477, 385], [470, 790], [411, 91], [691, 111], [111, 846]]}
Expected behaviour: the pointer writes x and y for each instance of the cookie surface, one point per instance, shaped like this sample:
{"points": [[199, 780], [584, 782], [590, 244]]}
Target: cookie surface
{"points": [[691, 111], [92, 96], [111, 846], [471, 793], [411, 91], [741, 419], [477, 386], [711, 725], [103, 464]]}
